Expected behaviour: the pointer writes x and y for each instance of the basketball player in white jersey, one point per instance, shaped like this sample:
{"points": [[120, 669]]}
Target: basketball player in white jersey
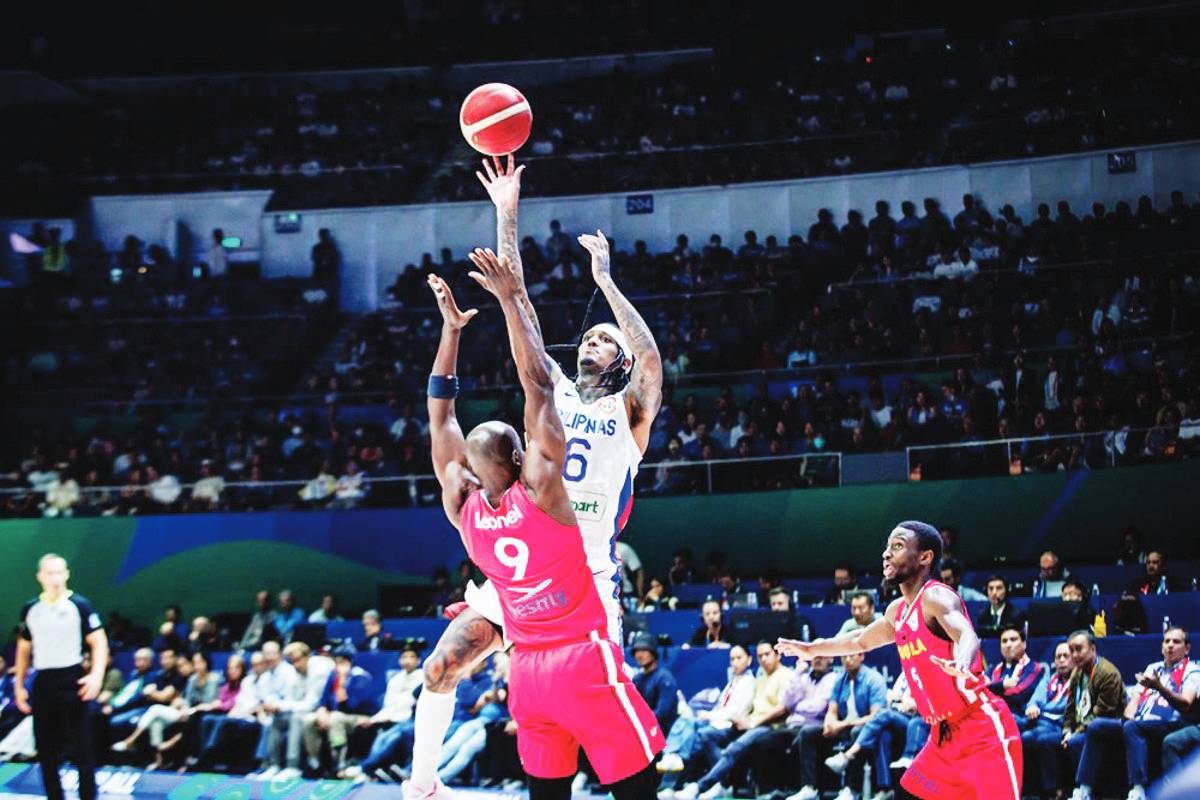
{"points": [[606, 412]]}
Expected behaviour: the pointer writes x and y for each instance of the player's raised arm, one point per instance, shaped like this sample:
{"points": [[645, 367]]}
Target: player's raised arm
{"points": [[445, 434], [543, 429], [943, 605], [879, 633], [645, 383], [503, 185]]}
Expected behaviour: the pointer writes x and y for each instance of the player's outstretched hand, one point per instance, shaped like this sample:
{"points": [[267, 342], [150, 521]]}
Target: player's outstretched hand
{"points": [[794, 647], [503, 183], [951, 668], [601, 260], [451, 316], [496, 273]]}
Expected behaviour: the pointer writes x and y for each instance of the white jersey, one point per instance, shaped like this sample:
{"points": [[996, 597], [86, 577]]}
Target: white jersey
{"points": [[601, 462]]}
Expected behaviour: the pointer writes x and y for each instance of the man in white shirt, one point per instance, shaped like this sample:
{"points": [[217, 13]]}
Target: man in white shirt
{"points": [[289, 695], [862, 612], [633, 574], [733, 703], [395, 719], [215, 256]]}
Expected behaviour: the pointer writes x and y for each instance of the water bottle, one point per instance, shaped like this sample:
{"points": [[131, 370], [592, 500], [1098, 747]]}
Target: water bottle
{"points": [[1095, 590], [752, 599], [866, 792], [805, 633], [1166, 623], [1193, 584]]}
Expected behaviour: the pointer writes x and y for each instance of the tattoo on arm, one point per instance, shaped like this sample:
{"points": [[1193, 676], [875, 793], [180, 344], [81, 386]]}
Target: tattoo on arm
{"points": [[469, 638], [646, 381]]}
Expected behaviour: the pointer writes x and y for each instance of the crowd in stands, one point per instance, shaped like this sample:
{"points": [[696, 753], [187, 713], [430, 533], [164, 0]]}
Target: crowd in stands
{"points": [[388, 140], [271, 694], [1068, 327]]}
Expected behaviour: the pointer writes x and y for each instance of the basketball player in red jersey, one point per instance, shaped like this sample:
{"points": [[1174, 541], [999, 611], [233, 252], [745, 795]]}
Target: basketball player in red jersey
{"points": [[974, 748], [511, 507]]}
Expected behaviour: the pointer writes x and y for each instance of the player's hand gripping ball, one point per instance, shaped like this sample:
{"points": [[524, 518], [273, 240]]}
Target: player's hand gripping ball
{"points": [[496, 119]]}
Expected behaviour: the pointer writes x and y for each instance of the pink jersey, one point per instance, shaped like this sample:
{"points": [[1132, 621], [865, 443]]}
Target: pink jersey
{"points": [[538, 567], [938, 696]]}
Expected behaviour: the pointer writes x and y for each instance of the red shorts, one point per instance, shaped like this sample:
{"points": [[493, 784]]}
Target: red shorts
{"points": [[981, 758], [577, 695]]}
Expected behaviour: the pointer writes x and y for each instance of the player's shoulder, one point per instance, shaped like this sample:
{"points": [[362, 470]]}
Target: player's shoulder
{"points": [[939, 594], [893, 609]]}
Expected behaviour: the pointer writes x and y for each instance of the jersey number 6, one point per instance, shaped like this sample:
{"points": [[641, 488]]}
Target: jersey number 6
{"points": [[575, 464]]}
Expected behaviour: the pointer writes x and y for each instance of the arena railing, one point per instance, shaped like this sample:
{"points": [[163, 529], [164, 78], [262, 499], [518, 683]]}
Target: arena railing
{"points": [[713, 476], [991, 457]]}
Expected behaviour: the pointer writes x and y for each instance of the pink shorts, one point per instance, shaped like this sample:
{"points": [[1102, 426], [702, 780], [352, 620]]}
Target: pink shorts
{"points": [[577, 695], [981, 758]]}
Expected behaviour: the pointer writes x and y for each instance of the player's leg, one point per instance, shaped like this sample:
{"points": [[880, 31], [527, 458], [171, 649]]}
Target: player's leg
{"points": [[549, 788], [469, 639], [642, 785], [991, 757], [933, 773], [49, 730]]}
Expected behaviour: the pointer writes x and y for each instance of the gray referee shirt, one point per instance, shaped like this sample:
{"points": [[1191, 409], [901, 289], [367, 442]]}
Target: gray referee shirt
{"points": [[58, 630]]}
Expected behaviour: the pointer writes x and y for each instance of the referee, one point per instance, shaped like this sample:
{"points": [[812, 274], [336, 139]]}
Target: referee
{"points": [[54, 628]]}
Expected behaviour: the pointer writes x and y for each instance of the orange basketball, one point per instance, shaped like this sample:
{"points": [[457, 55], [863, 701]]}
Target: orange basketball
{"points": [[495, 119]]}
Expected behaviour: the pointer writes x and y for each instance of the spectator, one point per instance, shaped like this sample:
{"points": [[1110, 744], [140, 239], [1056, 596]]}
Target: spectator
{"points": [[347, 701], [1042, 738], [215, 256], [276, 688], [471, 737], [262, 623], [199, 693], [1156, 580], [10, 715], [899, 720], [779, 601], [1051, 576], [711, 632], [655, 683], [951, 571], [131, 695], [373, 635], [1017, 676], [394, 722], [633, 574], [858, 695], [327, 612], [844, 584], [1000, 613], [203, 637], [326, 260], [288, 616], [712, 728], [168, 638], [862, 612], [160, 688], [113, 682], [1165, 704], [766, 713], [657, 598], [1132, 551], [1096, 692], [241, 721]]}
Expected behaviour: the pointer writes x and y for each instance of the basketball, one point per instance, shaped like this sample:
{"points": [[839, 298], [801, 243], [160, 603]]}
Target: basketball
{"points": [[496, 119]]}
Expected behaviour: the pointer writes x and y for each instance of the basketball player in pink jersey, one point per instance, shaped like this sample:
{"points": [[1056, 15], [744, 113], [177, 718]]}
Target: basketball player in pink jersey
{"points": [[511, 507], [974, 748], [607, 410]]}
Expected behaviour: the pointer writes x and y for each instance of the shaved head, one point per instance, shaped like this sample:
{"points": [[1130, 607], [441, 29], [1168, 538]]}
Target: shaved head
{"points": [[494, 453]]}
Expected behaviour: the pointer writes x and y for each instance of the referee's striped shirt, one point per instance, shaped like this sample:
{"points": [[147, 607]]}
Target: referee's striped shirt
{"points": [[58, 630]]}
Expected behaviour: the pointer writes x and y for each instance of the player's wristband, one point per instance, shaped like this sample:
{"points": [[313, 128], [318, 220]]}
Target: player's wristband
{"points": [[443, 387]]}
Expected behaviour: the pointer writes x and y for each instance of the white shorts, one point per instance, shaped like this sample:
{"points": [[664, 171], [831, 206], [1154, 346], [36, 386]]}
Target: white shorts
{"points": [[486, 601]]}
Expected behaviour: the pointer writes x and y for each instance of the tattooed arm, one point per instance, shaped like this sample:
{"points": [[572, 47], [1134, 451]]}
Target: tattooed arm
{"points": [[645, 383], [503, 185]]}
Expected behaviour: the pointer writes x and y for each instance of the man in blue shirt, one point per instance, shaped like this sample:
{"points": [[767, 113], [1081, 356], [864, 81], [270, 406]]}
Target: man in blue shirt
{"points": [[288, 616], [1042, 738], [348, 700], [655, 683], [859, 694]]}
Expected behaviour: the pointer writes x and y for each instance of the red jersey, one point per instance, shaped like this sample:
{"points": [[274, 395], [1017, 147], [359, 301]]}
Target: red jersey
{"points": [[538, 566], [938, 696]]}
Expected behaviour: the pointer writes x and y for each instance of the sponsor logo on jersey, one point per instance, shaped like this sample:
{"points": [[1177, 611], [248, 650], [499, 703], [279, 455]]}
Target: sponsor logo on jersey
{"points": [[607, 404], [498, 521], [547, 602], [582, 423], [907, 650], [588, 506]]}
